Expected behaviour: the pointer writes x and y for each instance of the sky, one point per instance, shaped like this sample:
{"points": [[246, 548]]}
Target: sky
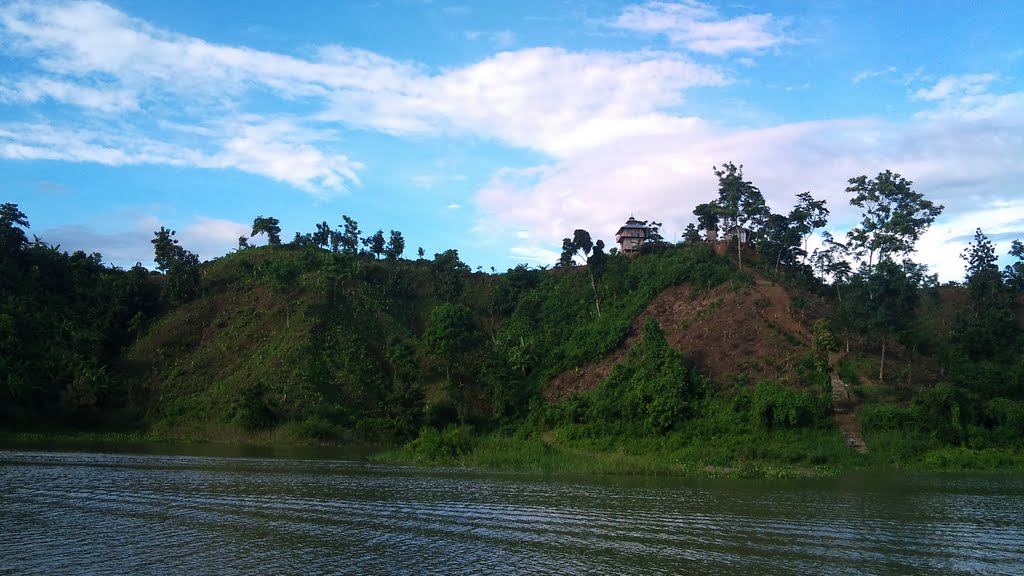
{"points": [[498, 128]]}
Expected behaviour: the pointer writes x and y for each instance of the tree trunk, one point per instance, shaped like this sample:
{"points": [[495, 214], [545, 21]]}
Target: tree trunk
{"points": [[739, 251], [881, 366], [597, 299]]}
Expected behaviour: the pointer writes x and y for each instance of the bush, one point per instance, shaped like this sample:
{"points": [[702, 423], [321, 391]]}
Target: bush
{"points": [[441, 447]]}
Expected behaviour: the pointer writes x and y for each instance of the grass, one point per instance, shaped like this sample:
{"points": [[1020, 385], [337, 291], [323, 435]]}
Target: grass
{"points": [[781, 454]]}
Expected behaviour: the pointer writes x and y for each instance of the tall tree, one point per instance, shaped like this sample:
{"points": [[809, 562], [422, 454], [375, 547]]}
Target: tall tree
{"points": [[396, 246], [780, 239], [581, 245], [883, 300], [350, 236], [267, 225], [894, 217], [988, 327], [807, 216], [376, 244], [1014, 273], [180, 267], [740, 203], [830, 261], [322, 236]]}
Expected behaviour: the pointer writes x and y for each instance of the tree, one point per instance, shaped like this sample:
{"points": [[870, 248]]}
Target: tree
{"points": [[376, 244], [396, 246], [807, 216], [243, 243], [180, 267], [780, 238], [12, 235], [1014, 272], [166, 249], [708, 217], [989, 325], [350, 236], [894, 217], [690, 234], [449, 275], [302, 240], [883, 301], [451, 332], [739, 203], [267, 225], [322, 236], [592, 253]]}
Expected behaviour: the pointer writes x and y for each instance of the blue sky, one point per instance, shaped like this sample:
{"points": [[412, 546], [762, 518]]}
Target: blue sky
{"points": [[498, 128]]}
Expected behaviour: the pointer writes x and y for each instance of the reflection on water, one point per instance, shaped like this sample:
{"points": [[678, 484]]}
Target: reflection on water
{"points": [[75, 513]]}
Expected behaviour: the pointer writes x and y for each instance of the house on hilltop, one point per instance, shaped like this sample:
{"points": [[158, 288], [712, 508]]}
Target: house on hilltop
{"points": [[745, 235], [632, 235]]}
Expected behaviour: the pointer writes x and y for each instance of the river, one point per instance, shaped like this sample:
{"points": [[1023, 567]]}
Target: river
{"points": [[111, 513]]}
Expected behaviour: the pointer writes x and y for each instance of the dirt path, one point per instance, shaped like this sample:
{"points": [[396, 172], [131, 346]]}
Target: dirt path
{"points": [[845, 413]]}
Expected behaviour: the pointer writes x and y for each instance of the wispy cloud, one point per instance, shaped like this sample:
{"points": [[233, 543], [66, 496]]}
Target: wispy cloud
{"points": [[498, 38], [868, 74], [962, 85], [36, 89], [701, 28]]}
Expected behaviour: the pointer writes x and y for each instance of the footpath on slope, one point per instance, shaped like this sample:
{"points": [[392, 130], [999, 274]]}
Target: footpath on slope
{"points": [[845, 414]]}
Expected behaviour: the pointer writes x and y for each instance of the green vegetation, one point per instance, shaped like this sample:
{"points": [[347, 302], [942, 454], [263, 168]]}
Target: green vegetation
{"points": [[336, 338]]}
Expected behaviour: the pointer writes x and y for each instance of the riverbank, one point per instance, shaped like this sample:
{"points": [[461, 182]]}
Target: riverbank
{"points": [[793, 454], [775, 454]]}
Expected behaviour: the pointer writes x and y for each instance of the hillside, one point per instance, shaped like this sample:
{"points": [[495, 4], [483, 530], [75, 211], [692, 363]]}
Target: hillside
{"points": [[750, 333], [673, 352]]}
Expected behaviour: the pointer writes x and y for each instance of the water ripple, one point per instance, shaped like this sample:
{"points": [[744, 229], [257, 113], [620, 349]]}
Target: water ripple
{"points": [[71, 513]]}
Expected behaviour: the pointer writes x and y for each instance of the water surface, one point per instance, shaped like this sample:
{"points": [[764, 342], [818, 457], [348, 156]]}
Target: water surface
{"points": [[107, 513]]}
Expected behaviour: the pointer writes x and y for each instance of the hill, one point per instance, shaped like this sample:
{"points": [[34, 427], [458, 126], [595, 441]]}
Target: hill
{"points": [[674, 354]]}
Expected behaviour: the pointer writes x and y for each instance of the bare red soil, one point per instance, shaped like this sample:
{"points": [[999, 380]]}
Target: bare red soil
{"points": [[725, 331]]}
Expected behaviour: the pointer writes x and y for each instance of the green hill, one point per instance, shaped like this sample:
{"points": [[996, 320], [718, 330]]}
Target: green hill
{"points": [[670, 361]]}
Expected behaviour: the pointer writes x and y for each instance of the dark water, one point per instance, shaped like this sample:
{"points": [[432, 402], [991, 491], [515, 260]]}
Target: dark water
{"points": [[102, 513]]}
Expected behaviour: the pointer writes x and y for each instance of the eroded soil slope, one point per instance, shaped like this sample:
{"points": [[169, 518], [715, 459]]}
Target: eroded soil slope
{"points": [[725, 331]]}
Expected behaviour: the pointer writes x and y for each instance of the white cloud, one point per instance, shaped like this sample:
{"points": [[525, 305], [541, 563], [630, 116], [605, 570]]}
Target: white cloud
{"points": [[533, 254], [942, 245], [546, 99], [950, 86], [36, 89], [868, 74], [210, 237], [276, 150], [701, 28]]}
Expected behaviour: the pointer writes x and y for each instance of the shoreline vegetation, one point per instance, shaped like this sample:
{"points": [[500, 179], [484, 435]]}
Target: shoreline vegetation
{"points": [[734, 354], [783, 458]]}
